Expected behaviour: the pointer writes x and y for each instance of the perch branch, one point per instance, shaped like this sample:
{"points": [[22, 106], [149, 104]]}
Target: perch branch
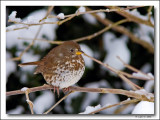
{"points": [[83, 89]]}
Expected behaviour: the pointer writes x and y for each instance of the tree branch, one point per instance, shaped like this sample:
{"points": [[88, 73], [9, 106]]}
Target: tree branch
{"points": [[131, 17], [83, 89], [126, 32]]}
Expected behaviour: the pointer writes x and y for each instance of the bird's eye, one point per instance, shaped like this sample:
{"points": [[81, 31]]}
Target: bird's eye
{"points": [[71, 50]]}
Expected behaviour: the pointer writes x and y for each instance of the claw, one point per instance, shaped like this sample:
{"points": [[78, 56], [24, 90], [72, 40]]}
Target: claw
{"points": [[66, 89], [56, 88]]}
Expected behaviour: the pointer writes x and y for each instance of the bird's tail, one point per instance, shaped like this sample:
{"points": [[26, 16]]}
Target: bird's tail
{"points": [[29, 63]]}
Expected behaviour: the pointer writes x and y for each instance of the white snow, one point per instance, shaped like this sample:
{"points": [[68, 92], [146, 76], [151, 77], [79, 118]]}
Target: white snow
{"points": [[89, 18], [90, 109], [144, 31], [10, 65], [116, 47], [32, 20], [47, 30], [88, 51], [128, 110], [90, 97], [146, 68], [16, 26], [128, 98], [23, 78], [93, 97], [12, 17], [144, 107], [43, 102], [102, 15], [17, 110], [139, 74], [28, 57], [149, 85], [61, 16], [82, 9], [107, 10], [137, 14], [144, 92], [24, 89], [68, 101], [109, 99]]}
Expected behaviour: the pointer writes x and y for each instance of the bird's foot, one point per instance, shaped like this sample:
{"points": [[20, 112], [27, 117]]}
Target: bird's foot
{"points": [[66, 89], [56, 88]]}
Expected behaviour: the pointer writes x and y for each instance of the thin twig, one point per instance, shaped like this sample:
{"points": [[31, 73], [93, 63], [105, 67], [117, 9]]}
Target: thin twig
{"points": [[134, 86], [88, 37], [149, 13], [122, 108], [125, 31], [134, 69], [31, 44], [48, 12], [28, 100], [95, 11], [131, 17], [120, 103], [58, 102], [43, 40]]}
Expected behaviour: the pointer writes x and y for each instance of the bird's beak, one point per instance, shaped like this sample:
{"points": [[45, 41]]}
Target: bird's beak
{"points": [[79, 52]]}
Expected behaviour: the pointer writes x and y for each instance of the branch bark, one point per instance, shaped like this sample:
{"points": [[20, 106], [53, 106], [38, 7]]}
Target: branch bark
{"points": [[83, 89]]}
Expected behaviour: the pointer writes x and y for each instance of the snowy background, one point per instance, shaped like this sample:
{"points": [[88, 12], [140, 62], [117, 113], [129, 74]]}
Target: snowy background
{"points": [[105, 47]]}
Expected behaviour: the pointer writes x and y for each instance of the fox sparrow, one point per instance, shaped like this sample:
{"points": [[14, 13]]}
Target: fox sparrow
{"points": [[62, 67]]}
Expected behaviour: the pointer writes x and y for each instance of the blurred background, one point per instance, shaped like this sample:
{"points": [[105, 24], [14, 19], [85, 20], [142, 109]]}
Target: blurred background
{"points": [[104, 47]]}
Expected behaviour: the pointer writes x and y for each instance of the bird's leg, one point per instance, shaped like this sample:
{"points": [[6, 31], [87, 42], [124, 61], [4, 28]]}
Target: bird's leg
{"points": [[66, 89], [56, 88]]}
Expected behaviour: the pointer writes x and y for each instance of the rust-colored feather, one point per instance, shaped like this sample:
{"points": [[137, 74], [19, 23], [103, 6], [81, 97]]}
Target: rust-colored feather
{"points": [[29, 63]]}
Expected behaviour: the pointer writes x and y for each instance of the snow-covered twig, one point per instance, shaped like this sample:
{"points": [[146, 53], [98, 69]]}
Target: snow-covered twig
{"points": [[82, 11], [32, 43], [138, 73], [124, 31], [88, 37], [131, 17], [27, 91]]}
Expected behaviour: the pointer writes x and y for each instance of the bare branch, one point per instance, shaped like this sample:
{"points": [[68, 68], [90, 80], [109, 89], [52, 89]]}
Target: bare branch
{"points": [[58, 102], [120, 103]]}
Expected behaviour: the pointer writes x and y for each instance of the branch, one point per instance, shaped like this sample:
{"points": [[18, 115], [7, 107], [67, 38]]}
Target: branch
{"points": [[126, 32], [134, 86], [88, 37], [31, 44], [28, 100], [83, 89], [120, 103], [131, 17]]}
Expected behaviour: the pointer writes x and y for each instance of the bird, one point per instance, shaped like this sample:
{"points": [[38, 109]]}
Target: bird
{"points": [[62, 67]]}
